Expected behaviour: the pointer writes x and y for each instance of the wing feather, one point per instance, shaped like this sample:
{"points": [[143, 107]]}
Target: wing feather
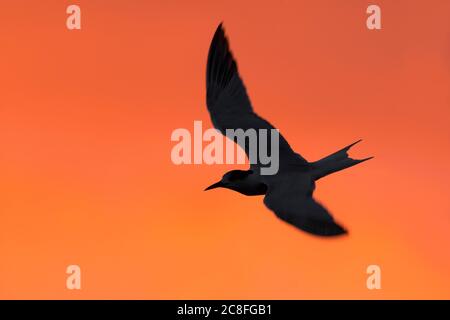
{"points": [[292, 201], [228, 102]]}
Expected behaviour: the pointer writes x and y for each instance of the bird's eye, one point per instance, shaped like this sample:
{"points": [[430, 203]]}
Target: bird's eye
{"points": [[237, 175]]}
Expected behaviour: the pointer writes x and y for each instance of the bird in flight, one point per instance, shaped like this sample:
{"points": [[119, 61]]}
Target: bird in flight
{"points": [[289, 192]]}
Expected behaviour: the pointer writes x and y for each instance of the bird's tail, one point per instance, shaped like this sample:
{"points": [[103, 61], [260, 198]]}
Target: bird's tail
{"points": [[335, 162]]}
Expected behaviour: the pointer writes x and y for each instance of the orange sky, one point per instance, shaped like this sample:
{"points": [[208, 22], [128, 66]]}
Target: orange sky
{"points": [[85, 170]]}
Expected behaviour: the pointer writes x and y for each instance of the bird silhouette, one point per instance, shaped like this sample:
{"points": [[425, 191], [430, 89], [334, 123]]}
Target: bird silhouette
{"points": [[289, 192]]}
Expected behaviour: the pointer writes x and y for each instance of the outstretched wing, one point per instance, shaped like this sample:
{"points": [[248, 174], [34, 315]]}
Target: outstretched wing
{"points": [[228, 102], [291, 200]]}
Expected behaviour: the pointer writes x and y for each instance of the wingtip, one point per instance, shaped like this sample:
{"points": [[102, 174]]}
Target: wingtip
{"points": [[219, 35], [335, 229], [220, 28], [332, 229], [338, 231]]}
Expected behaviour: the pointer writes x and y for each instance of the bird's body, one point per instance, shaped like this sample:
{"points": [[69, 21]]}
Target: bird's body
{"points": [[288, 193]]}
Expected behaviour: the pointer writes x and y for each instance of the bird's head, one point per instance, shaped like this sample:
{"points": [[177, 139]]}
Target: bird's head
{"points": [[230, 179]]}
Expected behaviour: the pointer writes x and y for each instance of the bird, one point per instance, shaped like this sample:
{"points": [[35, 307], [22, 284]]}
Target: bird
{"points": [[289, 192]]}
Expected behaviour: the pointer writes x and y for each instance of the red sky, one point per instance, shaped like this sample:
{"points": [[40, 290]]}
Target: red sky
{"points": [[86, 176]]}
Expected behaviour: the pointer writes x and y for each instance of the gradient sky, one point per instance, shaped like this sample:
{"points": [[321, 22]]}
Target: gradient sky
{"points": [[86, 176]]}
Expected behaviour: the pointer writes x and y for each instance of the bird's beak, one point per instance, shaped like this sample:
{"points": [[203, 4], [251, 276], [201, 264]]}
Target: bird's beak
{"points": [[215, 185]]}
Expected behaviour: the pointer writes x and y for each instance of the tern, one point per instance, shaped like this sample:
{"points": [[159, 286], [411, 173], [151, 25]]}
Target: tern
{"points": [[289, 192]]}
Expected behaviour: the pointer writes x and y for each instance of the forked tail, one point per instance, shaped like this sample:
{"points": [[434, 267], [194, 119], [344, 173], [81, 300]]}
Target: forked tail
{"points": [[335, 162]]}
